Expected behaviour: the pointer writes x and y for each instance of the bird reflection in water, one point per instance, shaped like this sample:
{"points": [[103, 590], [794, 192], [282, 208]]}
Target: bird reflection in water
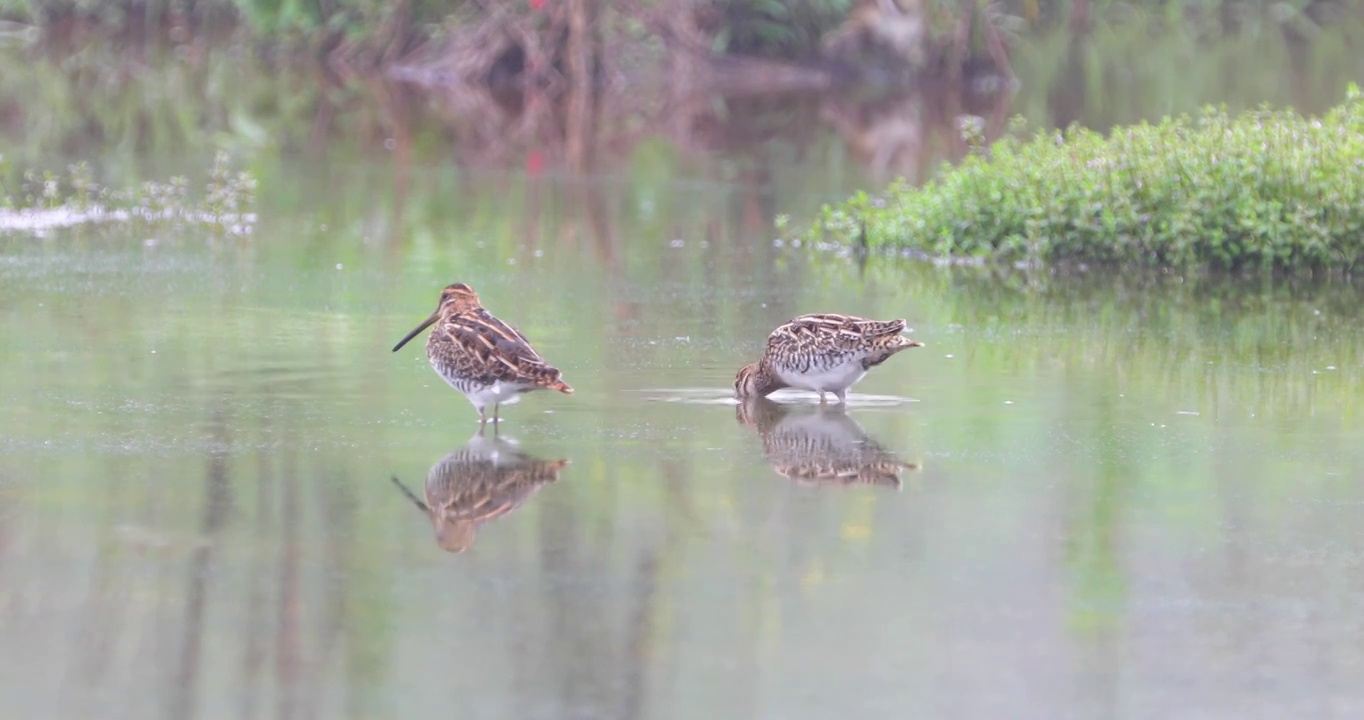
{"points": [[485, 479], [820, 444]]}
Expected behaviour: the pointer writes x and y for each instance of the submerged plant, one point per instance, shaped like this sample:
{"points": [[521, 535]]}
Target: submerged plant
{"points": [[1268, 188], [50, 200], [228, 194]]}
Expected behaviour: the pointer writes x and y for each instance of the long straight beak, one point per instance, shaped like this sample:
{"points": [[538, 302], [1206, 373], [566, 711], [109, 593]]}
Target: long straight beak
{"points": [[415, 500], [425, 324]]}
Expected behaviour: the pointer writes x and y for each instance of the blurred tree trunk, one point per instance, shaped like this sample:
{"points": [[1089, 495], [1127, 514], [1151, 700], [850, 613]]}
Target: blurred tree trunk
{"points": [[688, 43], [1080, 16], [184, 695], [581, 52], [961, 42], [1068, 100]]}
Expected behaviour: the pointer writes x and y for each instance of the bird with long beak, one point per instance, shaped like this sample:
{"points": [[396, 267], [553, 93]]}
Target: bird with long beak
{"points": [[489, 361], [823, 352]]}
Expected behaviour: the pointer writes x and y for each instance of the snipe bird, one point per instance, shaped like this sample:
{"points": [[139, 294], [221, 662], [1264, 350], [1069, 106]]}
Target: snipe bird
{"points": [[820, 445], [485, 479], [823, 352], [487, 360]]}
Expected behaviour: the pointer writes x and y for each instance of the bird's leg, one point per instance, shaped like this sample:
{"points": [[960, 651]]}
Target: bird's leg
{"points": [[496, 408], [821, 397], [842, 396], [482, 419]]}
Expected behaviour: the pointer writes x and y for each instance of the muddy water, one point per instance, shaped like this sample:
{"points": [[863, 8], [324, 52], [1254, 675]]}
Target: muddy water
{"points": [[222, 496], [1084, 497]]}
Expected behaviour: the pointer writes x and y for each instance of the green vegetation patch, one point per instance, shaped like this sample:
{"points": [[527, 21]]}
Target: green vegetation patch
{"points": [[1266, 189], [48, 201]]}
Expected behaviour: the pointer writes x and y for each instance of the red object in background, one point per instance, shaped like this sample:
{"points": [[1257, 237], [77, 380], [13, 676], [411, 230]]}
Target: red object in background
{"points": [[537, 4]]}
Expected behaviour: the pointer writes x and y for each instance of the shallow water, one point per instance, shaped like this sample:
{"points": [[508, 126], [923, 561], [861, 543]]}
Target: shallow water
{"points": [[1115, 497], [222, 496]]}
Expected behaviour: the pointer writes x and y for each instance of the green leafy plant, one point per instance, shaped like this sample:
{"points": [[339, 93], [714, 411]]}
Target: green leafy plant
{"points": [[1267, 189]]}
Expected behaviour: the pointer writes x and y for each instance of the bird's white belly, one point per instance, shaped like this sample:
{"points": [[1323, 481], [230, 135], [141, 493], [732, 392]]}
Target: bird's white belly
{"points": [[499, 393], [831, 379]]}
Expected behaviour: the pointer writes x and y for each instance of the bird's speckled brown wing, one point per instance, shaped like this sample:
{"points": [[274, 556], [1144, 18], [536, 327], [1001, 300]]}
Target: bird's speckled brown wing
{"points": [[826, 338], [831, 330], [484, 349]]}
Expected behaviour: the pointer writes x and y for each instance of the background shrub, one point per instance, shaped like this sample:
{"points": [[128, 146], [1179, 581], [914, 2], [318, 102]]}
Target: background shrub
{"points": [[1268, 188]]}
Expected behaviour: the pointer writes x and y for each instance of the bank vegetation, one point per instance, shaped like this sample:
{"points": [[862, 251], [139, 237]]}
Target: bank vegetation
{"points": [[1268, 189]]}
